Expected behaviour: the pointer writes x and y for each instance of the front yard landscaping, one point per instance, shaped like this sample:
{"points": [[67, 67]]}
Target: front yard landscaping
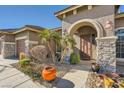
{"points": [[44, 66], [34, 71]]}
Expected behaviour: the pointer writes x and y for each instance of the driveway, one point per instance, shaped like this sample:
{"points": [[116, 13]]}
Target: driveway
{"points": [[12, 78]]}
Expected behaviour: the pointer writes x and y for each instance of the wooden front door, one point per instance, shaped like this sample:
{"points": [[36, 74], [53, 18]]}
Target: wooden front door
{"points": [[85, 47]]}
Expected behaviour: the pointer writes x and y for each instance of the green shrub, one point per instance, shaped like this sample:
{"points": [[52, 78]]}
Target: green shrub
{"points": [[74, 58], [27, 70], [24, 62]]}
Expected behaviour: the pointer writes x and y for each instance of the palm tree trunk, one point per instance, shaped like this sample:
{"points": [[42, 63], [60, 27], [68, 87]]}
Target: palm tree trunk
{"points": [[63, 53], [52, 52]]}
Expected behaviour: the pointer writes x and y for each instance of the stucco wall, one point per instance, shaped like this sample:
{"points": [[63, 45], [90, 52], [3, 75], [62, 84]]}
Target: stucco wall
{"points": [[9, 38], [22, 34], [119, 23], [34, 36], [100, 13]]}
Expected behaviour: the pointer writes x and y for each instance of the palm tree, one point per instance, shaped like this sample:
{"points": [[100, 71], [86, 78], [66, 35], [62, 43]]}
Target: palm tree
{"points": [[67, 41], [48, 37]]}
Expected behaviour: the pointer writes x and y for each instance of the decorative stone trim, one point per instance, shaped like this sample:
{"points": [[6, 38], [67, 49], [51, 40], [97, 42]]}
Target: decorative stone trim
{"points": [[105, 38], [19, 38], [82, 22], [32, 42], [9, 43]]}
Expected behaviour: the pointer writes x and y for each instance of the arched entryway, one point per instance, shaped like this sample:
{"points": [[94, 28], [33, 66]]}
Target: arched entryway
{"points": [[85, 32]]}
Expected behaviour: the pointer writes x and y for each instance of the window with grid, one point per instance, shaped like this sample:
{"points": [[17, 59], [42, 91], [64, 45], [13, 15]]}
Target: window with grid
{"points": [[120, 43]]}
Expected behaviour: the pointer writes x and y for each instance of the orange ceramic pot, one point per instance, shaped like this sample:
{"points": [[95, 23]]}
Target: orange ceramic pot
{"points": [[49, 73]]}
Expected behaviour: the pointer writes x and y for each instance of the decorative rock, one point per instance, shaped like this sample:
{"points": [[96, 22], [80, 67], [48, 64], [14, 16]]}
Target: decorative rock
{"points": [[39, 53]]}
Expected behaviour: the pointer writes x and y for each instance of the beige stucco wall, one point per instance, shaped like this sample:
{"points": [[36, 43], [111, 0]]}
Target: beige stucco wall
{"points": [[119, 23], [34, 36], [22, 34], [100, 13], [9, 38]]}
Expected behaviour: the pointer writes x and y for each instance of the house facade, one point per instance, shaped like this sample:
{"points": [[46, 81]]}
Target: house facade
{"points": [[98, 31], [15, 41]]}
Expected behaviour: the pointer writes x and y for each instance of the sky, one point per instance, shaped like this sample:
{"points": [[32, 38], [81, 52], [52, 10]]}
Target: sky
{"points": [[18, 16], [42, 15]]}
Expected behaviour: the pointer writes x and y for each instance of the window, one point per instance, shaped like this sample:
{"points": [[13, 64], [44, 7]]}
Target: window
{"points": [[120, 43]]}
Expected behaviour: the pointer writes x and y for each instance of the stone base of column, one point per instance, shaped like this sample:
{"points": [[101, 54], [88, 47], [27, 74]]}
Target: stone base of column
{"points": [[106, 53]]}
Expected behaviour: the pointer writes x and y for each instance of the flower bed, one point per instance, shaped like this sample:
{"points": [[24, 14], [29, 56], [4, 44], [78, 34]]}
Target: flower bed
{"points": [[106, 80]]}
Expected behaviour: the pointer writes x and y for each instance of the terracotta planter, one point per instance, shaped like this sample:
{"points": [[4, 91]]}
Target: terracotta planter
{"points": [[49, 73]]}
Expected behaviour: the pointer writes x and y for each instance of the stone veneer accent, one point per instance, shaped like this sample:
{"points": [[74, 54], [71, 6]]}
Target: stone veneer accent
{"points": [[9, 50], [106, 53]]}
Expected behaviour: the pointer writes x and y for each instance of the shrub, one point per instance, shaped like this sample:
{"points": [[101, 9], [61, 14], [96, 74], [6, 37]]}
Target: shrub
{"points": [[74, 58], [24, 62], [39, 53], [27, 70]]}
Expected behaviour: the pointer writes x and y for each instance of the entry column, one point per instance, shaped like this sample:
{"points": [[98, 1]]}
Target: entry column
{"points": [[106, 53]]}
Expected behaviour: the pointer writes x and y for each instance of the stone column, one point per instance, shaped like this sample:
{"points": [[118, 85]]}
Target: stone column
{"points": [[106, 53]]}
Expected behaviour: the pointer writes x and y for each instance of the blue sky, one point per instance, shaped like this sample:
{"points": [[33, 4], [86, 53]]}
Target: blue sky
{"points": [[18, 16]]}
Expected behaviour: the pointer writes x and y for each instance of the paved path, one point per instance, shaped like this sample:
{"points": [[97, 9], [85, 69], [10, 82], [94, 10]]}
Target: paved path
{"points": [[76, 77], [12, 78]]}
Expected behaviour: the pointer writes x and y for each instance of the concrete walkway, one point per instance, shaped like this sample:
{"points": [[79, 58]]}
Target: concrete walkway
{"points": [[12, 78], [75, 78]]}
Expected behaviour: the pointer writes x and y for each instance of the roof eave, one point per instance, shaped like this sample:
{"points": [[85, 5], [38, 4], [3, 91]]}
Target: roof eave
{"points": [[71, 8], [27, 28]]}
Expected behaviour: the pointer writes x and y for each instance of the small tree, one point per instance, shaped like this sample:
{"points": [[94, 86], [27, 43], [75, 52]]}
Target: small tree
{"points": [[67, 41], [48, 36]]}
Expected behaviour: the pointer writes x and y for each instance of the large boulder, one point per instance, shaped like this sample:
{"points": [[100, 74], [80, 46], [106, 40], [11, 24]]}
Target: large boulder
{"points": [[39, 53]]}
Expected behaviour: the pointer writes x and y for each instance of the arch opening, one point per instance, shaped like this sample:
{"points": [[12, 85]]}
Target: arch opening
{"points": [[85, 32]]}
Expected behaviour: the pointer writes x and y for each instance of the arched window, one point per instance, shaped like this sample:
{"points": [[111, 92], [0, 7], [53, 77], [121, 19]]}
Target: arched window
{"points": [[120, 43]]}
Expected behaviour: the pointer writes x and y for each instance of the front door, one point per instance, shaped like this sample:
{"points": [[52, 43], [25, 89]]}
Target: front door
{"points": [[85, 47]]}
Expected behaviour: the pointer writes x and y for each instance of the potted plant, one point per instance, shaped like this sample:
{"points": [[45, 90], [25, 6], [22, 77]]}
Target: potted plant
{"points": [[49, 73], [95, 67]]}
